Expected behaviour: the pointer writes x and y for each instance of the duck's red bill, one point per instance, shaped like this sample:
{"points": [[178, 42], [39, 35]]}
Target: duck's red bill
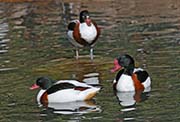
{"points": [[116, 66], [33, 87]]}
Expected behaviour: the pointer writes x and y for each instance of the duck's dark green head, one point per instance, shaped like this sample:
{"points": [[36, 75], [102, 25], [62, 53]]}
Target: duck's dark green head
{"points": [[44, 82], [124, 61]]}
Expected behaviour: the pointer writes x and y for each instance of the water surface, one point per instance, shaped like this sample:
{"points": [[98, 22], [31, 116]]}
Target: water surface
{"points": [[33, 43]]}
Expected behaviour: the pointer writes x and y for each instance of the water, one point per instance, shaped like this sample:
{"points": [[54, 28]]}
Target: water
{"points": [[33, 43]]}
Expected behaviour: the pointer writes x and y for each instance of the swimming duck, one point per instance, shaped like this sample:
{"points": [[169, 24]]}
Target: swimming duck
{"points": [[63, 91], [129, 78], [83, 32]]}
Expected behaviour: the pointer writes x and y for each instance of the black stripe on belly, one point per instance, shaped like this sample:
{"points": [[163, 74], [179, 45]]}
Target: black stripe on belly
{"points": [[119, 74], [142, 75]]}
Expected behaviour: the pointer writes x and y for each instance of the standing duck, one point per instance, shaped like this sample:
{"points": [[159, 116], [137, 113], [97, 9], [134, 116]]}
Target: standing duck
{"points": [[63, 91], [83, 32], [129, 78]]}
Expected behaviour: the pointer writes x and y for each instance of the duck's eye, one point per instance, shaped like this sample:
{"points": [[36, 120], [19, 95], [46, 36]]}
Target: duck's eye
{"points": [[122, 63]]}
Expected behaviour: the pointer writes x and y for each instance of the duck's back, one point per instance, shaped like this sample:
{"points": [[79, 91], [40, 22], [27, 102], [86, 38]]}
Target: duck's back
{"points": [[143, 77]]}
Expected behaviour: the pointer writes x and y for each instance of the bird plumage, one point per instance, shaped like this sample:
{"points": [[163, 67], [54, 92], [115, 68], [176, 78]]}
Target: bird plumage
{"points": [[83, 32], [64, 91], [129, 78]]}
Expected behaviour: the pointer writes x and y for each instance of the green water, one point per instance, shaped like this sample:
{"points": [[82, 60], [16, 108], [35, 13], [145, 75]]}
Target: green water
{"points": [[33, 43]]}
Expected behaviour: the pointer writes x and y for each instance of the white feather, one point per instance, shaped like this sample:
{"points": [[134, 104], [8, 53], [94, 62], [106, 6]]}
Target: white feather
{"points": [[74, 82], [125, 83], [147, 82], [88, 33], [39, 96]]}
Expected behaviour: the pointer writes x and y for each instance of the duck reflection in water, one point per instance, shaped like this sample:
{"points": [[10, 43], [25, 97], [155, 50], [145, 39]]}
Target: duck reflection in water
{"points": [[75, 107], [127, 99]]}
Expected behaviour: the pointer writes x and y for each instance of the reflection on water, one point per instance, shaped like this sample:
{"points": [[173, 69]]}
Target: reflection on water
{"points": [[127, 99], [78, 107], [33, 43], [4, 28], [92, 79]]}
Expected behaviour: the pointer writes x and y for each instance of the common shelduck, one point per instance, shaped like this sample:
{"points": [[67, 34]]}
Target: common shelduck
{"points": [[129, 78], [63, 91], [83, 32]]}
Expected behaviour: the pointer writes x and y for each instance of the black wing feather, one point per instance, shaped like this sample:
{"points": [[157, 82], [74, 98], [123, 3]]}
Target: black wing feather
{"points": [[71, 26], [60, 86], [142, 75]]}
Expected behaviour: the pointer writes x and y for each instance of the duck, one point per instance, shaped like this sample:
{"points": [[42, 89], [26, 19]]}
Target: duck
{"points": [[62, 91], [83, 32], [129, 77]]}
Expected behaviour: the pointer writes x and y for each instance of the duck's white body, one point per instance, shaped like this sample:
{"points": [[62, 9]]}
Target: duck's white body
{"points": [[88, 33], [126, 83], [69, 94]]}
